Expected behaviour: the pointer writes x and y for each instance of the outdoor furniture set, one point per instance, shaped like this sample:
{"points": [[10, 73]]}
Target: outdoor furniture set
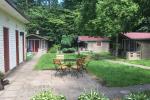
{"points": [[73, 66]]}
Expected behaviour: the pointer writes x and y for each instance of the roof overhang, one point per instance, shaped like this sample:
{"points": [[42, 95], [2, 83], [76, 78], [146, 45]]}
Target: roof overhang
{"points": [[137, 36], [37, 36], [7, 7]]}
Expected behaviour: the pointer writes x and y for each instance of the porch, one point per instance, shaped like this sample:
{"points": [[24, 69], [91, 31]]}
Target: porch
{"points": [[130, 49]]}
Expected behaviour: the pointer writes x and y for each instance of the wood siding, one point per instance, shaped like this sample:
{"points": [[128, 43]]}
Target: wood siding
{"points": [[12, 24]]}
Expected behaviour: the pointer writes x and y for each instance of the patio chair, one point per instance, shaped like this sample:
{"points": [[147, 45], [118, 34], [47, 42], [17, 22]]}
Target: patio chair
{"points": [[78, 67], [59, 66], [84, 64]]}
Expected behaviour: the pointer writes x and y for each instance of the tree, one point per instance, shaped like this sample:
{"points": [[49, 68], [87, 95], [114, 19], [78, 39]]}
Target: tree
{"points": [[116, 18]]}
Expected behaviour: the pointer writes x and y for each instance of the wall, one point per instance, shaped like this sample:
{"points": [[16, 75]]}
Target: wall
{"points": [[10, 22], [145, 50], [92, 46]]}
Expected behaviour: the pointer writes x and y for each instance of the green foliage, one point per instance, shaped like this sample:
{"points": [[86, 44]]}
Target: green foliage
{"points": [[1, 75], [68, 50], [137, 96], [29, 56], [114, 19], [46, 62], [92, 95], [54, 49], [66, 41], [48, 95]]}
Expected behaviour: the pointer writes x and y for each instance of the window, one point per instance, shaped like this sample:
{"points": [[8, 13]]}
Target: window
{"points": [[99, 43]]}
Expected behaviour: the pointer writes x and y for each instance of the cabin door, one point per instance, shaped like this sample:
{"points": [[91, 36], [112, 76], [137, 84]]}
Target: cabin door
{"points": [[36, 45], [6, 48], [17, 48]]}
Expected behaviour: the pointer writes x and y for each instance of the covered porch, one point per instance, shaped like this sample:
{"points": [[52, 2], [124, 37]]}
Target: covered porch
{"points": [[36, 43], [131, 49]]}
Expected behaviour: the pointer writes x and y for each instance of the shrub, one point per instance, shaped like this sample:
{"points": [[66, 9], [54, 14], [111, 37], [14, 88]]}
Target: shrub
{"points": [[48, 95], [137, 96], [68, 50], [92, 96], [81, 56], [1, 75], [29, 56], [54, 49]]}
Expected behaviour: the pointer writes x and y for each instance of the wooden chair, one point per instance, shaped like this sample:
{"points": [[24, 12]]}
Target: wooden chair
{"points": [[84, 64], [59, 66], [78, 67]]}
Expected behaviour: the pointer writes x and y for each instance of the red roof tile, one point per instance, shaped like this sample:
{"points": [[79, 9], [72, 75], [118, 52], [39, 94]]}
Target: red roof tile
{"points": [[137, 35], [92, 38]]}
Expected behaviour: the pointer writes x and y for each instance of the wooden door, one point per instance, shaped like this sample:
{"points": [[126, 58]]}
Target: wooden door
{"points": [[36, 45], [6, 48], [33, 46], [17, 47]]}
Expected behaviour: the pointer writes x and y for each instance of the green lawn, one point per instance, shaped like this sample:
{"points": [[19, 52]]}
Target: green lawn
{"points": [[118, 75], [70, 56], [46, 62], [140, 62]]}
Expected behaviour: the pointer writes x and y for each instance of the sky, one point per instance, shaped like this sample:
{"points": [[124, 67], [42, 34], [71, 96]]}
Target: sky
{"points": [[60, 1]]}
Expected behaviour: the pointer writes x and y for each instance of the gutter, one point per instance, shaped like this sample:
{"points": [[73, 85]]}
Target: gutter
{"points": [[14, 6]]}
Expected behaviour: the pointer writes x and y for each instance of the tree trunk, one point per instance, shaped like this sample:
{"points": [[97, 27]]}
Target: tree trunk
{"points": [[116, 47]]}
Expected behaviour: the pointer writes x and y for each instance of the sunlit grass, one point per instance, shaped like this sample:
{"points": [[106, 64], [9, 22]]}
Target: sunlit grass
{"points": [[46, 61], [118, 74]]}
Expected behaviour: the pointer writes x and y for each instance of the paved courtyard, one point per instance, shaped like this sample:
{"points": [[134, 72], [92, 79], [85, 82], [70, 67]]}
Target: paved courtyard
{"points": [[25, 81]]}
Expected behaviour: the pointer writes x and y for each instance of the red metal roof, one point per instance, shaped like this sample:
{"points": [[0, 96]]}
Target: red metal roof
{"points": [[137, 35], [92, 38]]}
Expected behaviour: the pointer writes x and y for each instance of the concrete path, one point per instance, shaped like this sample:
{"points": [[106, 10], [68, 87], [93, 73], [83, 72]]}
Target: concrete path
{"points": [[129, 64], [25, 82]]}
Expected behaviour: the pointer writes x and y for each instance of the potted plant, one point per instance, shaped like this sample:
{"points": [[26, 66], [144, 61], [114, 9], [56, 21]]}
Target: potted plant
{"points": [[1, 81]]}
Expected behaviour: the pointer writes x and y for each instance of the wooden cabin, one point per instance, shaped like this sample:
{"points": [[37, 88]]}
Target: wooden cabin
{"points": [[135, 45], [93, 43], [37, 43]]}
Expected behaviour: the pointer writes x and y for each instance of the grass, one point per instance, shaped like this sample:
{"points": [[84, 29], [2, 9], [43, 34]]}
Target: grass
{"points": [[46, 62], [141, 62], [70, 56], [118, 75]]}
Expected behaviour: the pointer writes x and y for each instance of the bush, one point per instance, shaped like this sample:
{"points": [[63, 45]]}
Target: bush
{"points": [[137, 96], [1, 75], [68, 50], [48, 95], [29, 56], [54, 49], [81, 56], [92, 96]]}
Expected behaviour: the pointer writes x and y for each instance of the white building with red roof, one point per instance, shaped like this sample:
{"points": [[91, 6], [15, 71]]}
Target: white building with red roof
{"points": [[135, 45], [93, 43], [12, 36]]}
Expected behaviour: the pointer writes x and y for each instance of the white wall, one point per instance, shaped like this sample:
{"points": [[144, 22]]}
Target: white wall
{"points": [[92, 46], [10, 22]]}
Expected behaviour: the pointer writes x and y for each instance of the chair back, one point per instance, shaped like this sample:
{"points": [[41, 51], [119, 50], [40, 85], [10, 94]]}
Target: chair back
{"points": [[79, 63], [57, 61]]}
